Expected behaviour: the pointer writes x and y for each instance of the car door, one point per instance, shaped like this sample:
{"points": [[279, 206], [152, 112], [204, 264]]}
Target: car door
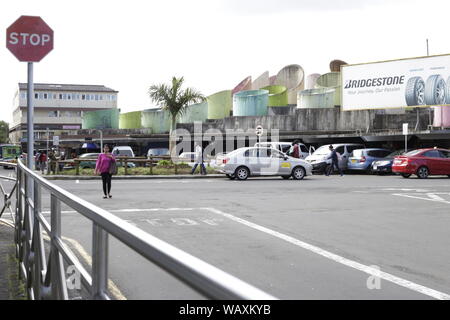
{"points": [[344, 157], [279, 166], [445, 155], [434, 162], [268, 165], [304, 151]]}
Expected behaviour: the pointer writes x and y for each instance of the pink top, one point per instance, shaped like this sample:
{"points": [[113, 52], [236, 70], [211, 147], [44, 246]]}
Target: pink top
{"points": [[104, 162]]}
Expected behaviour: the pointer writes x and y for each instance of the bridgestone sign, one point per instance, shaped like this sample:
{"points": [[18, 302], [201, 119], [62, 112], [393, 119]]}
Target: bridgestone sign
{"points": [[417, 82]]}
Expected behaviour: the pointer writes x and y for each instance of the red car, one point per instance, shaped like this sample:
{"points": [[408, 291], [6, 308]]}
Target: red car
{"points": [[423, 162]]}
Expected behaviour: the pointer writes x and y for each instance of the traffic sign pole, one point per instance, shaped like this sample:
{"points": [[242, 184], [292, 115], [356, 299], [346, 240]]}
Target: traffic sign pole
{"points": [[30, 113]]}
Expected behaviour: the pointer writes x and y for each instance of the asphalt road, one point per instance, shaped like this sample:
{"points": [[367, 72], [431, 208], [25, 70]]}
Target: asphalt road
{"points": [[320, 238]]}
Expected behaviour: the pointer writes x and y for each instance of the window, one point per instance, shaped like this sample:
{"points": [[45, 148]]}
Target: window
{"points": [[303, 148], [351, 148], [358, 153], [285, 147], [432, 154], [445, 154], [60, 96], [96, 97], [69, 96], [88, 97], [53, 114], [100, 97], [36, 95], [340, 150], [264, 153], [45, 96], [250, 153], [276, 154]]}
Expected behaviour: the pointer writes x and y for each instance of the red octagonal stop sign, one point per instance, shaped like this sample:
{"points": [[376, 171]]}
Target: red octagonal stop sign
{"points": [[29, 38]]}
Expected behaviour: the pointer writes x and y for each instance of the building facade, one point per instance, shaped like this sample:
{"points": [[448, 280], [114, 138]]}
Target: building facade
{"points": [[58, 109]]}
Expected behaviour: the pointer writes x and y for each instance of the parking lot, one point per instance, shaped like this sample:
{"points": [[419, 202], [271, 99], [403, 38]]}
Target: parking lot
{"points": [[351, 237]]}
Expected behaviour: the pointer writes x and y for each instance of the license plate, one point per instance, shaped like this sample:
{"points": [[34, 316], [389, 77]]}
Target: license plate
{"points": [[353, 161]]}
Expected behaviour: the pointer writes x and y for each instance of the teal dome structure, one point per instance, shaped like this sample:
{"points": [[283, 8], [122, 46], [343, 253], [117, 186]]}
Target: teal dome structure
{"points": [[250, 103]]}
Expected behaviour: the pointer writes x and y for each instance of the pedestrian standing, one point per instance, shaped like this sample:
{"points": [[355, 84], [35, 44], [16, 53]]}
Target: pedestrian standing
{"points": [[199, 160], [294, 151], [334, 162], [51, 162], [103, 167], [38, 160], [43, 161]]}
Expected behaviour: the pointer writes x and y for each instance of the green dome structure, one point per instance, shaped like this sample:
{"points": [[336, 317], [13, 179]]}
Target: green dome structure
{"points": [[130, 120], [195, 112], [101, 119], [220, 104], [278, 96], [156, 119]]}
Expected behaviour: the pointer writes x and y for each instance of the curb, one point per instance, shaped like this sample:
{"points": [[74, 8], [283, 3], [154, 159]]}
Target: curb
{"points": [[131, 177]]}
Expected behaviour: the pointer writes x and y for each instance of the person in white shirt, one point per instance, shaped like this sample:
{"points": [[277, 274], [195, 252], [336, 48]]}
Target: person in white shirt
{"points": [[199, 160]]}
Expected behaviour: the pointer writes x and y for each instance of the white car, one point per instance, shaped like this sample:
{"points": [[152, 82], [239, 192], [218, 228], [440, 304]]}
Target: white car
{"points": [[245, 162]]}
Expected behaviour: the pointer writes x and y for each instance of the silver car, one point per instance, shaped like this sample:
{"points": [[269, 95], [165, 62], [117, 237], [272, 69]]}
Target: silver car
{"points": [[244, 162]]}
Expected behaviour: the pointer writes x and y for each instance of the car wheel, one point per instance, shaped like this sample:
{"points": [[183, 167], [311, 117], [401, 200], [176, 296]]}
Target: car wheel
{"points": [[242, 173], [435, 90], [298, 173], [422, 172], [406, 175], [286, 177], [415, 92], [231, 176]]}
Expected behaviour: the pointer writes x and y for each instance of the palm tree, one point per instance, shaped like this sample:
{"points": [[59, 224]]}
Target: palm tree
{"points": [[174, 99]]}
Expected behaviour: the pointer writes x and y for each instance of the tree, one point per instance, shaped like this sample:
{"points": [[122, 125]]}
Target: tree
{"points": [[4, 132], [174, 99]]}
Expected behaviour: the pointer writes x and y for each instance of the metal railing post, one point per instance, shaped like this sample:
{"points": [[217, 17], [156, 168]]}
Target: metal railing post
{"points": [[99, 263], [58, 279], [39, 262]]}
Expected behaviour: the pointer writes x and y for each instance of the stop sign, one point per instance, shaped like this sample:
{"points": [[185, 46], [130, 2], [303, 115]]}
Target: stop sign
{"points": [[29, 39]]}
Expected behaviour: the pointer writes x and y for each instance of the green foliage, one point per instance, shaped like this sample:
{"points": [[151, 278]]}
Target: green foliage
{"points": [[173, 98], [4, 132], [164, 163]]}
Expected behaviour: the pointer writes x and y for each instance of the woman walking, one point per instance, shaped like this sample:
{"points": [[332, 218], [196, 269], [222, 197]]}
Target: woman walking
{"points": [[103, 167]]}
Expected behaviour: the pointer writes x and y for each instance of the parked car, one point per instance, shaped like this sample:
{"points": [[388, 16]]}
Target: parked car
{"points": [[245, 162], [361, 159], [284, 147], [385, 165], [319, 159], [423, 163], [88, 163], [123, 151], [153, 152]]}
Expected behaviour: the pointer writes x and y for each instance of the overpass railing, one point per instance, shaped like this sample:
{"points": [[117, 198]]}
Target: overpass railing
{"points": [[45, 277]]}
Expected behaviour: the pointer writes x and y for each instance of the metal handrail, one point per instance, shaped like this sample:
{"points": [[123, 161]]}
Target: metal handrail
{"points": [[46, 280]]}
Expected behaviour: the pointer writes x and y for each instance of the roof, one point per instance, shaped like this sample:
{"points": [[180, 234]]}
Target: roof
{"points": [[67, 87]]}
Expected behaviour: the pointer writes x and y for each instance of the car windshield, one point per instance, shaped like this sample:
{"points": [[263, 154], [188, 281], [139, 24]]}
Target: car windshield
{"points": [[323, 150], [413, 153], [124, 153]]}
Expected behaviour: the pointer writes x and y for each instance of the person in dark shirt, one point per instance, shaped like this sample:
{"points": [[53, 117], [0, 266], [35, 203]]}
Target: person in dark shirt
{"points": [[334, 162]]}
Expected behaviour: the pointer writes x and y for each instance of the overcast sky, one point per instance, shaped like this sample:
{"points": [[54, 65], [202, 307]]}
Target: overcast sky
{"points": [[214, 44]]}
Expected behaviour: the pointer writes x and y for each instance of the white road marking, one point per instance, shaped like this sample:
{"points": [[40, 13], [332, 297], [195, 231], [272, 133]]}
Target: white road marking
{"points": [[131, 210], [406, 190], [184, 222], [334, 257], [421, 198]]}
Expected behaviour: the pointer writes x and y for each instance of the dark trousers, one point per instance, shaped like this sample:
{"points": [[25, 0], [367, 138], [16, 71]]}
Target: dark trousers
{"points": [[334, 165], [106, 179], [202, 168]]}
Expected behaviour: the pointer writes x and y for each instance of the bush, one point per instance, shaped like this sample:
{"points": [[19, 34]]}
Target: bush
{"points": [[164, 163]]}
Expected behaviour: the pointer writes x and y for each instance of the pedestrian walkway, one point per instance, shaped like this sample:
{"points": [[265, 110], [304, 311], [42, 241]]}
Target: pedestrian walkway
{"points": [[10, 286]]}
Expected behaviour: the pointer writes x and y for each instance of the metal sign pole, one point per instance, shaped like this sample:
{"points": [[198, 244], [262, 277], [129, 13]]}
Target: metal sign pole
{"points": [[30, 114]]}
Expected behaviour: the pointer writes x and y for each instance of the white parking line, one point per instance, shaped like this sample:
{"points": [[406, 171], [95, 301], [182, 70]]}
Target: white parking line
{"points": [[334, 257], [426, 197]]}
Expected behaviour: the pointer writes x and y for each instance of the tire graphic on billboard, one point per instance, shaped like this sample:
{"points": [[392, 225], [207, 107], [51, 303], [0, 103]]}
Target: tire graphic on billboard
{"points": [[435, 90], [415, 92]]}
